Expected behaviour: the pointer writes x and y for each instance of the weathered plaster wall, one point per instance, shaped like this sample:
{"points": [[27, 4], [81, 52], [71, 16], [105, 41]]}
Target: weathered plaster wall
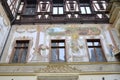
{"points": [[40, 37], [99, 77], [18, 78], [4, 27], [81, 77]]}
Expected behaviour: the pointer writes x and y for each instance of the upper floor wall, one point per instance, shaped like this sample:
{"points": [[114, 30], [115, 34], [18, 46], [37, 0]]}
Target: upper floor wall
{"points": [[60, 43]]}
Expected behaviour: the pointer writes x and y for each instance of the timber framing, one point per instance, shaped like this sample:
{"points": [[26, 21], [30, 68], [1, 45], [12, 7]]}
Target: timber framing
{"points": [[42, 12]]}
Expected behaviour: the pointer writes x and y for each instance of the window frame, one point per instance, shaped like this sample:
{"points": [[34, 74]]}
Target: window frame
{"points": [[14, 49], [58, 10], [100, 46], [85, 9], [58, 41], [28, 6]]}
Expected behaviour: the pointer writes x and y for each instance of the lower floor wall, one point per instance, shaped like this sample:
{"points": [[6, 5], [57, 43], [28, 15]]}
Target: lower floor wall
{"points": [[18, 78], [65, 77], [100, 77]]}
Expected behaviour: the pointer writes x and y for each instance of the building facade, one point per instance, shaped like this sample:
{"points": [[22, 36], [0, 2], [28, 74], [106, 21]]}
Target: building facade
{"points": [[60, 39]]}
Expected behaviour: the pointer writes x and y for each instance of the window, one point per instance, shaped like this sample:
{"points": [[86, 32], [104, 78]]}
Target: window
{"points": [[95, 51], [57, 10], [29, 9], [13, 4], [43, 6], [58, 51], [58, 7], [99, 5], [85, 9], [71, 6], [20, 51]]}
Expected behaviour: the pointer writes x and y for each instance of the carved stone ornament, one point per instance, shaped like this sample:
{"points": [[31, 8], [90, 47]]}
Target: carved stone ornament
{"points": [[20, 30], [57, 69]]}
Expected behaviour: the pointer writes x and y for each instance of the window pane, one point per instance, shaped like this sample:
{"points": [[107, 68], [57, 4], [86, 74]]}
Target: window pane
{"points": [[83, 10], [61, 54], [60, 10], [16, 55], [88, 10], [54, 57], [54, 44], [26, 44], [29, 11], [61, 44], [99, 54], [92, 54], [19, 44], [89, 43], [23, 55], [55, 10], [57, 44], [96, 43]]}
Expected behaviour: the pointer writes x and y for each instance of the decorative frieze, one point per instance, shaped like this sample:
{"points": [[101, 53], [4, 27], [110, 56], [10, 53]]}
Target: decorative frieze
{"points": [[61, 67]]}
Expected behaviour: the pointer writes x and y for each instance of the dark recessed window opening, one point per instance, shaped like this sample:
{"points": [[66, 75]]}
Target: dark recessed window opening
{"points": [[58, 51], [29, 10], [95, 50], [84, 1], [57, 1], [20, 51], [85, 9]]}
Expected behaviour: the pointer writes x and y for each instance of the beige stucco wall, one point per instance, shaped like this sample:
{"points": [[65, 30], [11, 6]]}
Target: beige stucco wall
{"points": [[80, 77], [18, 78], [99, 77]]}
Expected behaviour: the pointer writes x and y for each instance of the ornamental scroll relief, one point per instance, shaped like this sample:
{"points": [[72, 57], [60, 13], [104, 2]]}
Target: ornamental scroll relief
{"points": [[57, 69]]}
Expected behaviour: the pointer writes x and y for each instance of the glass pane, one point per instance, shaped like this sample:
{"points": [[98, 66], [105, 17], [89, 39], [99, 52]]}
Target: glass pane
{"points": [[16, 55], [89, 43], [54, 57], [83, 10], [55, 10], [100, 56], [61, 44], [29, 11], [92, 54], [54, 44], [96, 43], [26, 44], [23, 55], [19, 44], [61, 54], [60, 10], [88, 10]]}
